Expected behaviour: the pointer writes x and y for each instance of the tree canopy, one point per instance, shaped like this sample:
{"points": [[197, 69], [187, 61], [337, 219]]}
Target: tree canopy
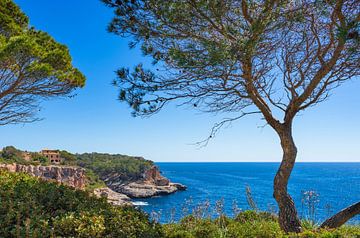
{"points": [[225, 56], [33, 66]]}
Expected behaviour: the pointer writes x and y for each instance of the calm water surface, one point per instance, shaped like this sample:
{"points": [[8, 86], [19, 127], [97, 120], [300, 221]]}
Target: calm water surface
{"points": [[338, 185]]}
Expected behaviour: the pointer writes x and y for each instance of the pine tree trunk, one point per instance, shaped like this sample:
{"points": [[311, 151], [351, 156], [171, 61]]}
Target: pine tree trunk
{"points": [[288, 218], [341, 217]]}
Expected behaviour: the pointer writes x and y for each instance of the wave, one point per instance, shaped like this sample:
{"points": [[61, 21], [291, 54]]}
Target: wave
{"points": [[139, 203]]}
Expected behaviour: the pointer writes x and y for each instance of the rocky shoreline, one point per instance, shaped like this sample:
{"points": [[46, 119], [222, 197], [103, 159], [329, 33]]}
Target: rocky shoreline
{"points": [[118, 192], [151, 183], [112, 197]]}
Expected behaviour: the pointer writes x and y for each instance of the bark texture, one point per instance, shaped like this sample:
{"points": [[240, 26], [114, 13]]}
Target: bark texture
{"points": [[288, 218], [341, 217]]}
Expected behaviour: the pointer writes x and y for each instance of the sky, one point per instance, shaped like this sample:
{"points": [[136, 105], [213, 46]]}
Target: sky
{"points": [[95, 121]]}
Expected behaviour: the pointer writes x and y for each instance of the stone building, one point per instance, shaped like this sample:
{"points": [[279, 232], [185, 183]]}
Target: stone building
{"points": [[52, 155]]}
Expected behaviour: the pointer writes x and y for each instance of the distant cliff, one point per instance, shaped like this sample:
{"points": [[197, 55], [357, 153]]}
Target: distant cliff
{"points": [[114, 176], [71, 176], [150, 183]]}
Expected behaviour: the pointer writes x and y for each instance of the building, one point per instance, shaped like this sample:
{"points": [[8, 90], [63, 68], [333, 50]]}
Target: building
{"points": [[52, 155]]}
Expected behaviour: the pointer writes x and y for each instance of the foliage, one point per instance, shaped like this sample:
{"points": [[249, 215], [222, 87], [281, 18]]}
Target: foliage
{"points": [[227, 56], [31, 207], [12, 19], [247, 224], [97, 165], [249, 216], [127, 167], [33, 67], [39, 158], [81, 225], [10, 154], [69, 159], [93, 181]]}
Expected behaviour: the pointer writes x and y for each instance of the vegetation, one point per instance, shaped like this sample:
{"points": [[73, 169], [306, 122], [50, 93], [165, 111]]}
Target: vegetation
{"points": [[33, 67], [248, 224], [97, 165], [128, 167], [10, 154], [270, 58], [31, 207]]}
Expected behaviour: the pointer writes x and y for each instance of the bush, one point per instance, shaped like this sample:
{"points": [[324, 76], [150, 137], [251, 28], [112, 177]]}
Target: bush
{"points": [[31, 207], [84, 225], [10, 154], [253, 216], [69, 159], [191, 227], [40, 159], [127, 167], [248, 224], [254, 228]]}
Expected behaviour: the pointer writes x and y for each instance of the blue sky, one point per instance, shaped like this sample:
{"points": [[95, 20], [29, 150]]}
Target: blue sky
{"points": [[95, 121]]}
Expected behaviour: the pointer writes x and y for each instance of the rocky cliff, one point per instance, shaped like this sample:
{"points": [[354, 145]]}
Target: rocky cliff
{"points": [[112, 197], [150, 183], [71, 176]]}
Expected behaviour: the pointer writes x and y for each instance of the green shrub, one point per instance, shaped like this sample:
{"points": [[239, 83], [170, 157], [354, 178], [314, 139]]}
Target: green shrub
{"points": [[127, 167], [252, 216], [129, 222], [342, 232], [93, 181], [37, 157], [248, 224], [31, 207], [80, 225], [192, 227], [265, 229], [69, 159], [10, 154]]}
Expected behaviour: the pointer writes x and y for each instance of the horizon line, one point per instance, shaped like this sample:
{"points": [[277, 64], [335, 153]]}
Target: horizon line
{"points": [[254, 162]]}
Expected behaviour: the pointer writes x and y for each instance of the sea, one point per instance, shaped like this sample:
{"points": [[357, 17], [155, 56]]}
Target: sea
{"points": [[318, 189]]}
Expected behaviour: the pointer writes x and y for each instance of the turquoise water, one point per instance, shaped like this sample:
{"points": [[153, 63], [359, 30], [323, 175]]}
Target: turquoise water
{"points": [[337, 184]]}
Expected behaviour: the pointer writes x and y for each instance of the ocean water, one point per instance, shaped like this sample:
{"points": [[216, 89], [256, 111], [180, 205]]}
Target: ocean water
{"points": [[337, 186]]}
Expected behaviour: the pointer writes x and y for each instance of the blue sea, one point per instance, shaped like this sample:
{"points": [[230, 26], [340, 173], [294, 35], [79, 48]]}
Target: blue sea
{"points": [[336, 184]]}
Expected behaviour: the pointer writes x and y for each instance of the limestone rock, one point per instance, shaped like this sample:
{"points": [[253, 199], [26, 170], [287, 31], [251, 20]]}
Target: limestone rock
{"points": [[151, 183], [71, 176], [112, 197]]}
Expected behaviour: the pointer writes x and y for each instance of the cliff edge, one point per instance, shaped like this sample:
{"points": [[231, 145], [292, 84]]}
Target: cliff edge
{"points": [[71, 176], [150, 183], [118, 192]]}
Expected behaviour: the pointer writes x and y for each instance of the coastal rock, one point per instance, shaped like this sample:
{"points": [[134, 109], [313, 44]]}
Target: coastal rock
{"points": [[153, 176], [150, 184], [112, 197], [71, 176]]}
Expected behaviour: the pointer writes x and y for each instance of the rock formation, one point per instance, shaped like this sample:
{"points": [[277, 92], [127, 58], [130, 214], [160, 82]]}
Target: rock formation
{"points": [[71, 176], [112, 197], [150, 184]]}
